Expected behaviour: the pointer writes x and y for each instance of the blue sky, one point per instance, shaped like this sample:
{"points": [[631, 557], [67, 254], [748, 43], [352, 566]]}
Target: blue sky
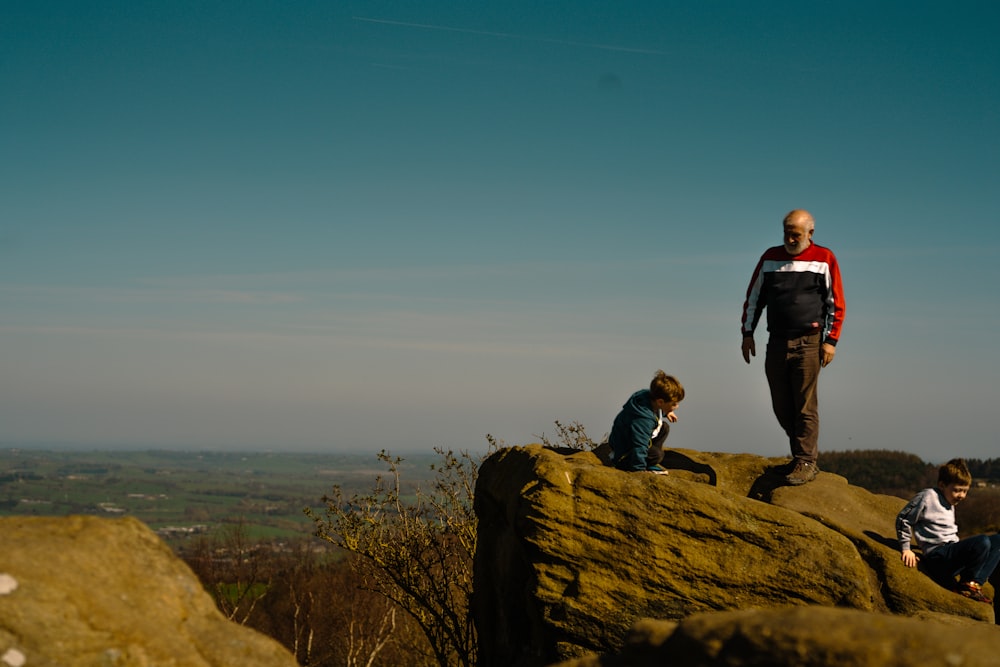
{"points": [[356, 225]]}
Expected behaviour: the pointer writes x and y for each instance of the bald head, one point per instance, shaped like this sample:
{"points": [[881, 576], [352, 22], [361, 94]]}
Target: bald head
{"points": [[800, 216], [798, 230]]}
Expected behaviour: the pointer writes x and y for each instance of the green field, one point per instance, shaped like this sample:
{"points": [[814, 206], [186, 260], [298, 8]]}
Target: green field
{"points": [[180, 494]]}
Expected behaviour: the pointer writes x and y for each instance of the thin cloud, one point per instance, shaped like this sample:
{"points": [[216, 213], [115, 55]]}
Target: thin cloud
{"points": [[458, 271], [149, 295], [507, 35], [332, 341]]}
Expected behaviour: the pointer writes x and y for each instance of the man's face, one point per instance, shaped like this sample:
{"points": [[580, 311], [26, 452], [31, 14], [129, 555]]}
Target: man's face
{"points": [[798, 236]]}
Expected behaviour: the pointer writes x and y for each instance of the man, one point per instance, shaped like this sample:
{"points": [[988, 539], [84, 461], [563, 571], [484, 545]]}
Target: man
{"points": [[799, 284]]}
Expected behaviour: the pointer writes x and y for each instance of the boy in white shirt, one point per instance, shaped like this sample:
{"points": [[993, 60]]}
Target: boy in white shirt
{"points": [[930, 518]]}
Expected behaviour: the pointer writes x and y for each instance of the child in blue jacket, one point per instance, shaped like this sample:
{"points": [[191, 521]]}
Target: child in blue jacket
{"points": [[642, 426]]}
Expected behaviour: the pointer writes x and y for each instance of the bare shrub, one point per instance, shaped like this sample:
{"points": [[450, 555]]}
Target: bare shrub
{"points": [[571, 436], [417, 554]]}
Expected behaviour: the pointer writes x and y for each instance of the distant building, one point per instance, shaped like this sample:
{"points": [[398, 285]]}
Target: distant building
{"points": [[111, 508]]}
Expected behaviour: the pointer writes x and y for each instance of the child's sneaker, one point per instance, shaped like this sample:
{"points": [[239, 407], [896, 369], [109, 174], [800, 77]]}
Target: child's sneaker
{"points": [[971, 590], [657, 470]]}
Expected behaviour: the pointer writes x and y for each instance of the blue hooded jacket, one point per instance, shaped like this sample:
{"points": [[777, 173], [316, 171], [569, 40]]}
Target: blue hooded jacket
{"points": [[632, 432]]}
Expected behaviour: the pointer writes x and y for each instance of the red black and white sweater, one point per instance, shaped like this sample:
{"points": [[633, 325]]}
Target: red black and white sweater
{"points": [[802, 294]]}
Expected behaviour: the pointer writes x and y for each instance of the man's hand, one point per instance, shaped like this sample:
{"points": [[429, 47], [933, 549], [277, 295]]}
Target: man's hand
{"points": [[671, 417], [909, 558], [750, 349], [825, 355]]}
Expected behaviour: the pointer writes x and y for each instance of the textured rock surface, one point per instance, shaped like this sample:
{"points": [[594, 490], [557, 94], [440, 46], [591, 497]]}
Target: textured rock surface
{"points": [[804, 637], [571, 553], [87, 591]]}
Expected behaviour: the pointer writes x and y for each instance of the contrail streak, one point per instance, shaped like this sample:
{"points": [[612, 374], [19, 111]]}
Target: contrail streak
{"points": [[507, 35]]}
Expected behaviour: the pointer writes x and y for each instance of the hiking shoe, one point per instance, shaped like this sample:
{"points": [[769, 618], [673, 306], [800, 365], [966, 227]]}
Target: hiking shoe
{"points": [[971, 590], [657, 470], [802, 472]]}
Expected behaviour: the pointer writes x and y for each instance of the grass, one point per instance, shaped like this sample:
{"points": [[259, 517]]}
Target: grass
{"points": [[188, 489]]}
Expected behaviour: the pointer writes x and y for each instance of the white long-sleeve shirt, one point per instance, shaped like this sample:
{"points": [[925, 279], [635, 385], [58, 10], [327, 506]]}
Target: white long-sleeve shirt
{"points": [[929, 518]]}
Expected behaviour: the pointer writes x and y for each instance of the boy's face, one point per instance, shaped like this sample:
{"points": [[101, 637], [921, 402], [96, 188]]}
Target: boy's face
{"points": [[664, 406], [954, 493]]}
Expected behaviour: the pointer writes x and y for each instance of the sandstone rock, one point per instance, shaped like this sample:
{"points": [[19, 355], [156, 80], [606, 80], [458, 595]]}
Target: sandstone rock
{"points": [[571, 552], [868, 520], [804, 637], [88, 591]]}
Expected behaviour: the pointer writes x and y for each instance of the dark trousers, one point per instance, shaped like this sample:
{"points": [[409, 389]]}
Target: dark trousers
{"points": [[655, 452], [971, 559], [792, 368]]}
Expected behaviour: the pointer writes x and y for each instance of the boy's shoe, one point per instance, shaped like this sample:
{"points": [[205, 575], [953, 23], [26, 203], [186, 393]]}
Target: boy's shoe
{"points": [[657, 470], [971, 590], [802, 472]]}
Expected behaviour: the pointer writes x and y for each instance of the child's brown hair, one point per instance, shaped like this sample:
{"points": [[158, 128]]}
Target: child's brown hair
{"points": [[666, 387], [954, 472]]}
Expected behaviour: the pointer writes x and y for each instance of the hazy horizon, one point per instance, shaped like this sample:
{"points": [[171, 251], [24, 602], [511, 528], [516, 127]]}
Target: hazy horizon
{"points": [[82, 448]]}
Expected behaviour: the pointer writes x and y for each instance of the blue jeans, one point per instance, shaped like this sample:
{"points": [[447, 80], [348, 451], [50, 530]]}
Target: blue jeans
{"points": [[971, 559]]}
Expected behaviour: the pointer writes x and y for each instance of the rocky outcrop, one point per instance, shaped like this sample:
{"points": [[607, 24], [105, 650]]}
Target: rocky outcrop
{"points": [[572, 553], [798, 636], [107, 592]]}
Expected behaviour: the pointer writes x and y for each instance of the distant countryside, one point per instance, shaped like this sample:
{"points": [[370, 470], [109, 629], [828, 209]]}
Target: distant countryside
{"points": [[181, 494], [390, 584]]}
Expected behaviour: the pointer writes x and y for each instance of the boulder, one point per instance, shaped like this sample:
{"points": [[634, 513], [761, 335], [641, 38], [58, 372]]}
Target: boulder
{"points": [[88, 591], [868, 521], [571, 553], [800, 636]]}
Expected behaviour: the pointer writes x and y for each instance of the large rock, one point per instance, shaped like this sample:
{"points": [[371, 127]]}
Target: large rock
{"points": [[86, 591], [800, 636], [571, 552]]}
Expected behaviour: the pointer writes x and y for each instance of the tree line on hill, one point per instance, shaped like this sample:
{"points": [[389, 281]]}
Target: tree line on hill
{"points": [[392, 585], [902, 474], [897, 473]]}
